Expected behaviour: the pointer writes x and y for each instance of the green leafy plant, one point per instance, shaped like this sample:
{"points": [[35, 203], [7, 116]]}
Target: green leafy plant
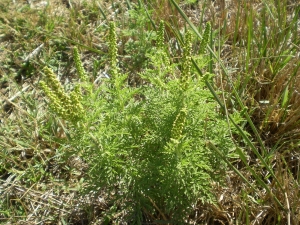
{"points": [[148, 144], [138, 39]]}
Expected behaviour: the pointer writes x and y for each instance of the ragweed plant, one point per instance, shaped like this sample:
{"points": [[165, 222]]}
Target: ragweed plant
{"points": [[148, 144]]}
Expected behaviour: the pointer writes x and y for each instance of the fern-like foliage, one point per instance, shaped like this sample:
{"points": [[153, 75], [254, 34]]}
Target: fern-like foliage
{"points": [[150, 141], [148, 144]]}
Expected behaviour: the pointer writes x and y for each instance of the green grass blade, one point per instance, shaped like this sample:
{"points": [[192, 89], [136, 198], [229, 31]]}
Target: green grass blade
{"points": [[241, 132], [78, 44], [212, 147], [102, 11]]}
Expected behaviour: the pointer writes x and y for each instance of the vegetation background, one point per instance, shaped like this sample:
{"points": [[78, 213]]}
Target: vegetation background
{"points": [[249, 66]]}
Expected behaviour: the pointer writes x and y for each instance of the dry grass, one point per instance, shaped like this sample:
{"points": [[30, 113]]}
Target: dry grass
{"points": [[271, 78]]}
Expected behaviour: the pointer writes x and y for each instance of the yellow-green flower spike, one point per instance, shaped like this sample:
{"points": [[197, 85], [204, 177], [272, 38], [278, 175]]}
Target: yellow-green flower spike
{"points": [[161, 35], [55, 102], [113, 50], [178, 124], [55, 85], [161, 44], [78, 64], [77, 110], [187, 63], [67, 106], [205, 38]]}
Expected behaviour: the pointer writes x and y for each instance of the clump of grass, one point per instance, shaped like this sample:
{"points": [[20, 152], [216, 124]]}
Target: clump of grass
{"points": [[264, 47]]}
